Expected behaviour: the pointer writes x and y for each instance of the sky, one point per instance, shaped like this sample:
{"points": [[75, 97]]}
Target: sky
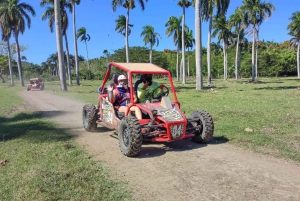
{"points": [[98, 18]]}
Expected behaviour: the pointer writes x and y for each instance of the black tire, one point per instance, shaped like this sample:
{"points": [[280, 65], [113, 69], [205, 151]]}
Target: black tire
{"points": [[206, 131], [43, 87], [130, 136], [28, 89], [89, 117]]}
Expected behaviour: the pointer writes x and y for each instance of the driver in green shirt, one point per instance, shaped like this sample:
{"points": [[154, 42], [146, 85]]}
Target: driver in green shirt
{"points": [[146, 89]]}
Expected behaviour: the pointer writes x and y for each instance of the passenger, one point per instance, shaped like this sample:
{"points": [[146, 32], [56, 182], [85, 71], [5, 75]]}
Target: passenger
{"points": [[120, 97], [145, 91]]}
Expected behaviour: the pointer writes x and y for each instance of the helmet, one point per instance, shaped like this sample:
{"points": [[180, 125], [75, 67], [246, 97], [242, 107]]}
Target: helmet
{"points": [[122, 77]]}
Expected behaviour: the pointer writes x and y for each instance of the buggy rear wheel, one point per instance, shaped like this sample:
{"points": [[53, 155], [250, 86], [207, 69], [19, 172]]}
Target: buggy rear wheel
{"points": [[130, 136], [89, 117], [205, 126]]}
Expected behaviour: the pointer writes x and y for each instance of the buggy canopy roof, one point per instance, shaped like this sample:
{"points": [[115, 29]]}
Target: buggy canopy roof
{"points": [[34, 79], [141, 68]]}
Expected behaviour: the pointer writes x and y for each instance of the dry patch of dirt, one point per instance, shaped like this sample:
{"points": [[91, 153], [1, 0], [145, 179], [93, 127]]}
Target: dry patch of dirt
{"points": [[181, 170]]}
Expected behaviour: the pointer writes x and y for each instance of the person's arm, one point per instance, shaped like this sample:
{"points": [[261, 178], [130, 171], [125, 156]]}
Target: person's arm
{"points": [[142, 92], [111, 94]]}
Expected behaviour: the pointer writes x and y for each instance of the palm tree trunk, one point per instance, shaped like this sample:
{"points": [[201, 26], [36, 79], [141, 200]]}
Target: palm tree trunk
{"points": [[188, 64], [225, 68], [236, 56], [198, 46], [75, 44], [183, 46], [126, 37], [209, 53], [9, 64], [177, 65], [256, 53], [19, 59], [181, 65], [68, 60], [253, 55], [298, 60], [87, 55], [150, 54], [59, 44]]}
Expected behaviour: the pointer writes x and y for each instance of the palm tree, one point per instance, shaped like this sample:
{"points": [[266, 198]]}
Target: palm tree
{"points": [[237, 20], [221, 7], [81, 33], [128, 4], [198, 42], [59, 44], [256, 13], [189, 43], [150, 37], [184, 4], [222, 29], [173, 27], [75, 40], [49, 14], [13, 15], [294, 31], [121, 25], [6, 35]]}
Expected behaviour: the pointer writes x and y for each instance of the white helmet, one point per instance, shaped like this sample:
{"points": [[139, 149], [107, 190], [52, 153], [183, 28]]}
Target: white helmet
{"points": [[122, 77]]}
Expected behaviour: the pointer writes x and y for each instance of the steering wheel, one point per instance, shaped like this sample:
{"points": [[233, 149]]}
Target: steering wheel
{"points": [[164, 92]]}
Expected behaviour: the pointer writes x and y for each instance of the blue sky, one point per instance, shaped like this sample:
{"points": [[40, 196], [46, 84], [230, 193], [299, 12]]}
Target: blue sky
{"points": [[98, 18]]}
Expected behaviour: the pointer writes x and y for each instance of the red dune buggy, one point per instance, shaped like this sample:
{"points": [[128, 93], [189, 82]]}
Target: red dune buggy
{"points": [[35, 84], [162, 120]]}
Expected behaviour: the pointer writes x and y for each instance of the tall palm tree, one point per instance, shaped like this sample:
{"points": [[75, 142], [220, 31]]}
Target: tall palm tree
{"points": [[81, 33], [198, 43], [49, 14], [174, 28], [121, 25], [14, 14], [221, 7], [128, 4], [6, 35], [151, 37], [222, 29], [184, 4], [59, 44], [256, 12], [189, 43], [75, 40], [237, 21], [294, 31]]}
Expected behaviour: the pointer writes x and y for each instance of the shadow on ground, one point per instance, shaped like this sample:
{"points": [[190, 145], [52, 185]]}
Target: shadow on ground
{"points": [[32, 126], [277, 88], [152, 149]]}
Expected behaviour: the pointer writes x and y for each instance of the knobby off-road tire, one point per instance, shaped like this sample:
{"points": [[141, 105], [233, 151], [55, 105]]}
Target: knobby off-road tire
{"points": [[205, 133], [89, 117], [130, 137]]}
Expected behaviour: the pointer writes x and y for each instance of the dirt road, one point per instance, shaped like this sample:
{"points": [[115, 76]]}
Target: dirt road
{"points": [[181, 170]]}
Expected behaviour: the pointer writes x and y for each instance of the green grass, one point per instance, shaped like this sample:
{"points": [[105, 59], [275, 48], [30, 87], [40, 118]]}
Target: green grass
{"points": [[269, 106], [44, 162]]}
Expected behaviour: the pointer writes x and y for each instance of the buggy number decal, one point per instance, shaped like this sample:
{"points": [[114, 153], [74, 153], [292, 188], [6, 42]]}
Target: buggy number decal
{"points": [[107, 111], [177, 130], [170, 115]]}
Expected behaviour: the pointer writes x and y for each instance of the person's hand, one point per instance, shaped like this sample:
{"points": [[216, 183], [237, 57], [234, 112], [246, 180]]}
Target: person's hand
{"points": [[146, 84], [109, 88]]}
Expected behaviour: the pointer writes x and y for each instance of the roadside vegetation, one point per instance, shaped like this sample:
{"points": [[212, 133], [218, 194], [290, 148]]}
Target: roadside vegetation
{"points": [[261, 116], [39, 161]]}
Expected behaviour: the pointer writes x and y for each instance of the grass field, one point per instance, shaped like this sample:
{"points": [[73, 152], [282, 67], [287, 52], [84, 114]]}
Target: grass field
{"points": [[43, 162]]}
